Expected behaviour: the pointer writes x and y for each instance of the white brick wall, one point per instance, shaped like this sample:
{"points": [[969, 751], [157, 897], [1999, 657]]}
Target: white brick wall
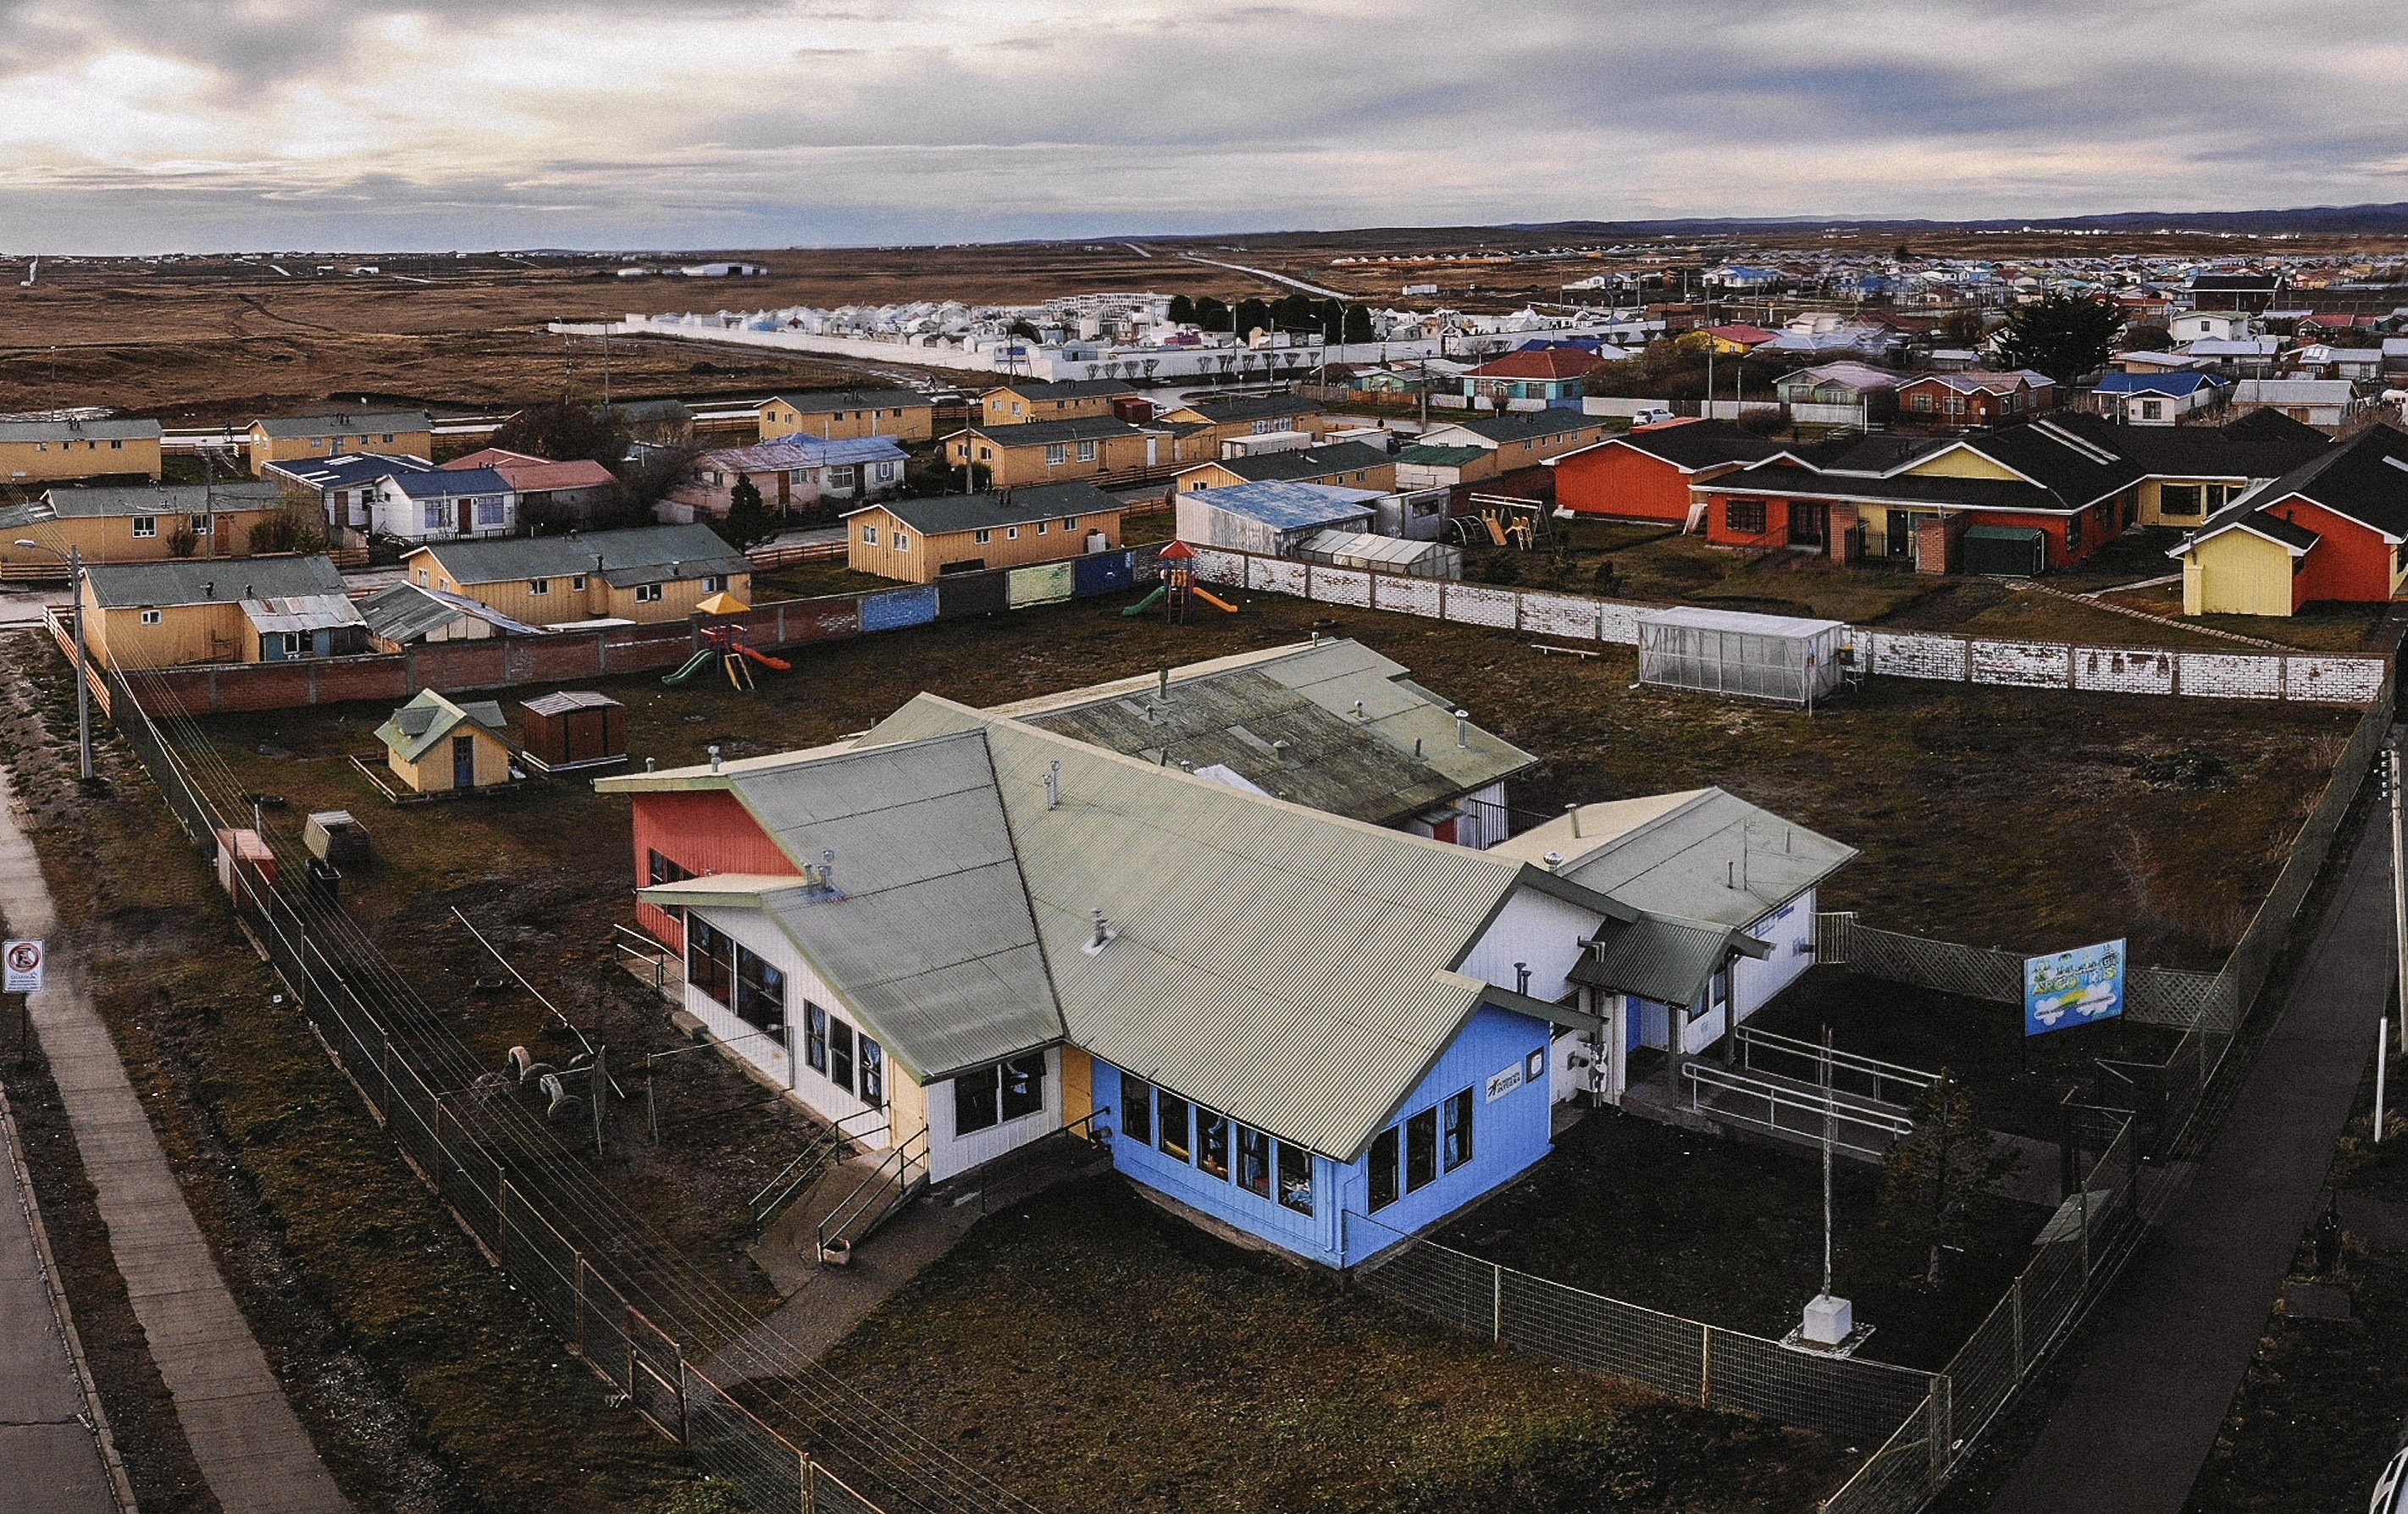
{"points": [[2123, 670], [2348, 680], [2022, 664], [2231, 676], [1407, 596], [1343, 586], [1475, 606], [1918, 657], [1560, 615]]}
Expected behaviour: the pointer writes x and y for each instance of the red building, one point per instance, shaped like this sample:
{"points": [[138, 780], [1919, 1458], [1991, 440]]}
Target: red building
{"points": [[2341, 517], [1649, 474], [682, 834], [1974, 398]]}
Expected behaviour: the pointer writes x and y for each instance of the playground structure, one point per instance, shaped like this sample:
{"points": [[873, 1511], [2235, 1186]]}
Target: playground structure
{"points": [[724, 634], [1501, 520], [1178, 586]]}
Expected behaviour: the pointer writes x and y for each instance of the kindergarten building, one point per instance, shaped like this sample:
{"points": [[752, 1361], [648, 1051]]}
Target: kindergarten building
{"points": [[965, 930]]}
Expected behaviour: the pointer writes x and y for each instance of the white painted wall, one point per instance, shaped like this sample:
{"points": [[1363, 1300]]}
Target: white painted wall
{"points": [[1791, 931], [1539, 930], [783, 1059], [950, 1154]]}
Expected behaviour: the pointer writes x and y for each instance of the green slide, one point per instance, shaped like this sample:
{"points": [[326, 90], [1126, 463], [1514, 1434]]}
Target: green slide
{"points": [[692, 666], [1147, 603]]}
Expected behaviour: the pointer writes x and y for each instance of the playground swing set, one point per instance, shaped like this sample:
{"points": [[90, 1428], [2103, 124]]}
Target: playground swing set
{"points": [[1501, 520], [724, 642], [1178, 586]]}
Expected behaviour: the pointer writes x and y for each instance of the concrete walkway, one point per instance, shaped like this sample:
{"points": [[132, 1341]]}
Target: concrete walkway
{"points": [[50, 1448], [249, 1443], [2175, 1337]]}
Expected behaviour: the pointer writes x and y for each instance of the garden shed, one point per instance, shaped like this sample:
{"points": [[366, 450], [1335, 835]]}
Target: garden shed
{"points": [[1778, 658], [2006, 552], [1383, 554], [574, 728], [1272, 516]]}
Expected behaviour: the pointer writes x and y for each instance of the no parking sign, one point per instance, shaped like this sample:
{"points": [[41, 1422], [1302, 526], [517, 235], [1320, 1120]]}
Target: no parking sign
{"points": [[21, 968]]}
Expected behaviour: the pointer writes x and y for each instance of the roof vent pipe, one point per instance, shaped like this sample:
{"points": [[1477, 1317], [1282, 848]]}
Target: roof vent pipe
{"points": [[1463, 728], [1054, 786], [1417, 748], [1279, 751], [652, 764], [1358, 709], [1573, 810], [1553, 860], [1521, 977], [1731, 881], [1162, 685], [827, 870], [715, 758], [1102, 935]]}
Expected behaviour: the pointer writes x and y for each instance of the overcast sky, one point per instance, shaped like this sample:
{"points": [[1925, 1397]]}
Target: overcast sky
{"points": [[137, 125]]}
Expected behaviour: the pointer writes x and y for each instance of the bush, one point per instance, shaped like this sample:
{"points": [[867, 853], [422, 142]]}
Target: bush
{"points": [[1499, 567]]}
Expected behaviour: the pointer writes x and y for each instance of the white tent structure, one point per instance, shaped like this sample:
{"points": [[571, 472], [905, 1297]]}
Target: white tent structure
{"points": [[1778, 658]]}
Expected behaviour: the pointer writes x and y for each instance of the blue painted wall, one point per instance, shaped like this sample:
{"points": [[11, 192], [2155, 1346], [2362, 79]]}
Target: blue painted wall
{"points": [[1509, 1134]]}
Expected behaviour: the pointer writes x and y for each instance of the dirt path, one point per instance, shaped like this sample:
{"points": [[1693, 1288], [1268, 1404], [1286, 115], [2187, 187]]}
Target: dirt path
{"points": [[249, 1443]]}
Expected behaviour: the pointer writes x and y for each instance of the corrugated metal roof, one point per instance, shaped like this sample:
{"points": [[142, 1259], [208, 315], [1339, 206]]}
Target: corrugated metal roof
{"points": [[1704, 855], [1669, 961], [358, 422], [1290, 505], [938, 514], [301, 612], [642, 554], [415, 729], [67, 504], [206, 580]]}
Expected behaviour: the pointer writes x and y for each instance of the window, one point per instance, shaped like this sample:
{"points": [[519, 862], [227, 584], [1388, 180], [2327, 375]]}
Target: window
{"points": [[116, 446], [2178, 499], [986, 454], [1011, 533], [1254, 1162], [815, 1033], [1086, 451], [709, 961], [1171, 1133], [873, 1073], [577, 584], [1534, 1066], [1137, 1109], [2153, 410], [870, 535], [1296, 1177], [660, 869], [1744, 516], [433, 515], [648, 594], [1421, 1151], [146, 525], [983, 538], [902, 541], [1384, 1169], [538, 586], [2073, 533], [1004, 1091], [1056, 454], [760, 994], [1212, 1144], [491, 512], [1069, 523], [886, 473], [841, 1053], [1454, 1137], [421, 576], [976, 1105], [201, 524], [1041, 528], [150, 617], [714, 583]]}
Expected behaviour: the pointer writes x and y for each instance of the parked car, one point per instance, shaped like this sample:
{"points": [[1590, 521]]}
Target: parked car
{"points": [[1651, 415]]}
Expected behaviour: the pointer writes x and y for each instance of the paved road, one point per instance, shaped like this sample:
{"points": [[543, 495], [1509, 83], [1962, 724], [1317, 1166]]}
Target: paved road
{"points": [[249, 1443], [2178, 1332], [49, 1451]]}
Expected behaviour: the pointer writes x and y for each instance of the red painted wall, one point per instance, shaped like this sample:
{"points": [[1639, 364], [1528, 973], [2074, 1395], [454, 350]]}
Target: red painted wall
{"points": [[1720, 531], [2350, 562], [703, 831], [1621, 482]]}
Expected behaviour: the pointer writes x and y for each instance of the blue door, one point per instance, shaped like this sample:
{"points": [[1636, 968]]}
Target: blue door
{"points": [[464, 762]]}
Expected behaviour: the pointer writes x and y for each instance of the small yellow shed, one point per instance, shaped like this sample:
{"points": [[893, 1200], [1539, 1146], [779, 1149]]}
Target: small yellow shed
{"points": [[2243, 565], [434, 745]]}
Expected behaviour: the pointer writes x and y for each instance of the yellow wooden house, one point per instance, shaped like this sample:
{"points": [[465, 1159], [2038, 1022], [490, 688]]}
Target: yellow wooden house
{"points": [[142, 523], [643, 574], [1025, 400], [39, 451], [287, 438], [433, 746], [1052, 451], [1348, 465], [843, 414], [244, 609], [917, 540], [2249, 567]]}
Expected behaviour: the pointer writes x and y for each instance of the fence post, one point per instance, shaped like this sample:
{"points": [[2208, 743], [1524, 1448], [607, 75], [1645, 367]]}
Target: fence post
{"points": [[385, 1066], [1706, 1365], [502, 1222], [1496, 1301], [810, 1483], [1943, 1427]]}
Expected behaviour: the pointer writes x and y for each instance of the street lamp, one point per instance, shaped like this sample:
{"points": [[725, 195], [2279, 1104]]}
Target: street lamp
{"points": [[73, 558]]}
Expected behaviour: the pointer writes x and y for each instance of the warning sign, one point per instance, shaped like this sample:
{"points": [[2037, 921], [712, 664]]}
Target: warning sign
{"points": [[22, 964]]}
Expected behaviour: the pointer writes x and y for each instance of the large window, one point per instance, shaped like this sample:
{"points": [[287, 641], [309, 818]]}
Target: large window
{"points": [[1137, 1109], [873, 1073], [1455, 1135], [760, 992], [1421, 1150], [709, 961], [1744, 516], [815, 1032], [1004, 1091], [1171, 1133], [1254, 1162], [1296, 1177], [2178, 499], [1212, 1144], [1023, 1085], [841, 1053], [1384, 1169], [660, 869], [491, 512]]}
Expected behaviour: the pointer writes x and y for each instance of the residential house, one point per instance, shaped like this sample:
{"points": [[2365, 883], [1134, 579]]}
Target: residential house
{"points": [[1272, 517], [405, 614], [289, 439], [1650, 474], [2188, 473], [2242, 357], [41, 451], [2320, 360], [1444, 467], [1024, 400], [797, 475], [645, 574], [433, 746], [1096, 447], [1204, 424], [553, 494], [1839, 394], [1531, 379], [918, 540], [1348, 464], [2251, 291], [2327, 403], [2213, 325], [844, 414], [139, 523], [1521, 439], [251, 609], [1735, 338], [660, 422], [1093, 977], [441, 505], [1977, 397], [342, 490], [2333, 528], [2158, 399]]}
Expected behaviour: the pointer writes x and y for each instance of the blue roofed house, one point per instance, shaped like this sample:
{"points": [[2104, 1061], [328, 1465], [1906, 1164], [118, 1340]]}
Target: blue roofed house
{"points": [[343, 488], [1272, 516], [1293, 1027], [2158, 399]]}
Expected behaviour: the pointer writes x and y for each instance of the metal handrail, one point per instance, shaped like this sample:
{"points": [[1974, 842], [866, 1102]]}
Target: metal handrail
{"points": [[831, 1135], [1777, 1096], [1747, 1037], [899, 1181], [1086, 1123]]}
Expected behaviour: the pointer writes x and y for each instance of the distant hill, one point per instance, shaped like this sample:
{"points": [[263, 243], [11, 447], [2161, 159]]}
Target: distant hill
{"points": [[2326, 220]]}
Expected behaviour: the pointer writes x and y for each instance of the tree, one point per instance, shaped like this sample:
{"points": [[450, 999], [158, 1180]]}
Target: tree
{"points": [[1962, 328], [2063, 335], [748, 521], [1252, 316], [565, 431], [1358, 325], [1941, 1177], [1211, 315], [1182, 311], [646, 477], [2148, 339]]}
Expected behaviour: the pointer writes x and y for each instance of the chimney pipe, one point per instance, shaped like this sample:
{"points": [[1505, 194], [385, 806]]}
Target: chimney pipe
{"points": [[1162, 685], [1521, 977], [1103, 929], [1358, 709], [1054, 786], [652, 764], [715, 758], [1463, 728], [1573, 810], [1417, 747]]}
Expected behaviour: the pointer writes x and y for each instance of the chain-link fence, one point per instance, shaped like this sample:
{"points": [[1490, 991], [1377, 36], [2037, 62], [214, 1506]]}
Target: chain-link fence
{"points": [[2152, 996], [639, 1314], [1725, 1369]]}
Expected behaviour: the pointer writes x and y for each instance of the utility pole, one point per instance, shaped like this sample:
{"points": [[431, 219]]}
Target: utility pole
{"points": [[2399, 885]]}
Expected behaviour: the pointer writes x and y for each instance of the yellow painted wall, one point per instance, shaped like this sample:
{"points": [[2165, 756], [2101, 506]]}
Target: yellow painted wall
{"points": [[1077, 1085], [2152, 501], [562, 600], [904, 422], [1010, 467], [25, 462], [1007, 407], [1381, 475], [1958, 463], [266, 449], [433, 773], [922, 561], [110, 539], [185, 633], [2237, 573], [907, 1105]]}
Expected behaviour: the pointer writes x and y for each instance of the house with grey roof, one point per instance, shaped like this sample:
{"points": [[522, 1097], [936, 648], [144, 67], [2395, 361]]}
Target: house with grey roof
{"points": [[241, 609], [643, 574], [965, 929]]}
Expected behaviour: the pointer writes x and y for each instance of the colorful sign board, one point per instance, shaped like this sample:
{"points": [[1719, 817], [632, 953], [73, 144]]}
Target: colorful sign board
{"points": [[21, 968], [2074, 988]]}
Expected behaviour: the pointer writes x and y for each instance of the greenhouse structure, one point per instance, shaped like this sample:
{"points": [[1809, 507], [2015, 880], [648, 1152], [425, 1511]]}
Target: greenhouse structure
{"points": [[1776, 658]]}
